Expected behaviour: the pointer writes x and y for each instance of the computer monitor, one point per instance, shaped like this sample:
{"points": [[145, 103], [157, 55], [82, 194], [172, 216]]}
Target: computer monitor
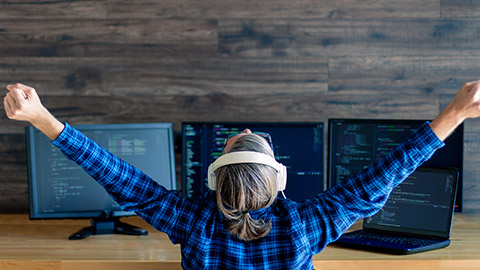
{"points": [[355, 144], [298, 146], [59, 188]]}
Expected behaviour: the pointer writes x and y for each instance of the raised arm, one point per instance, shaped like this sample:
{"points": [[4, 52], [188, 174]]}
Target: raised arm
{"points": [[363, 194], [131, 188], [466, 104], [22, 103]]}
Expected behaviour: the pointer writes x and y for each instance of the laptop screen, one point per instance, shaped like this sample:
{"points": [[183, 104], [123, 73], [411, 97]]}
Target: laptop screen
{"points": [[423, 204]]}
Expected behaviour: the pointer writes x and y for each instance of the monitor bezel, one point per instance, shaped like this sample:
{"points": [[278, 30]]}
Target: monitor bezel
{"points": [[31, 132]]}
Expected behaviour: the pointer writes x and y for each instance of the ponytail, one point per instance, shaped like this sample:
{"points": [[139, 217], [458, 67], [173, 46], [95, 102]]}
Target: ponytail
{"points": [[246, 187]]}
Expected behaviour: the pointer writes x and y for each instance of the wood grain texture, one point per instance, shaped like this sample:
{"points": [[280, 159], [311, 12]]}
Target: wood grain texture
{"points": [[332, 9], [188, 9], [159, 76], [14, 191], [393, 37], [128, 37], [253, 108], [405, 75], [54, 9], [460, 8]]}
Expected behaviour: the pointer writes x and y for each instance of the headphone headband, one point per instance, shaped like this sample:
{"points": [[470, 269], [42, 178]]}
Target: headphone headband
{"points": [[247, 157]]}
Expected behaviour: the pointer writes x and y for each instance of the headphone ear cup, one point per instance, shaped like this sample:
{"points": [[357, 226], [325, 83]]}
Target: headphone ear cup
{"points": [[212, 184], [282, 177]]}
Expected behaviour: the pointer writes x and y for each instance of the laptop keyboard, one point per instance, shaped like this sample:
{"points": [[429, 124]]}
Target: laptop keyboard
{"points": [[390, 238]]}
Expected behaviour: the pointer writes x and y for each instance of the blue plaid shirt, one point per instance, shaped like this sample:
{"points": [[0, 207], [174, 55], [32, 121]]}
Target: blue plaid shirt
{"points": [[299, 230]]}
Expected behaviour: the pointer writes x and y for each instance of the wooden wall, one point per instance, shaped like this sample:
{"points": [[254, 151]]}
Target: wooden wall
{"points": [[119, 61]]}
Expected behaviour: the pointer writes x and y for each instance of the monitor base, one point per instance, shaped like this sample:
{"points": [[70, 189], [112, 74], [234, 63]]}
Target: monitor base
{"points": [[107, 226]]}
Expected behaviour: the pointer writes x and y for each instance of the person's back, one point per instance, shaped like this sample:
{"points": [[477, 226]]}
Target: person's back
{"points": [[211, 246], [225, 235]]}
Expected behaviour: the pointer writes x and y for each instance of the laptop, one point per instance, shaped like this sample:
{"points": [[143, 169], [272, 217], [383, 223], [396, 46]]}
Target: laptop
{"points": [[417, 217]]}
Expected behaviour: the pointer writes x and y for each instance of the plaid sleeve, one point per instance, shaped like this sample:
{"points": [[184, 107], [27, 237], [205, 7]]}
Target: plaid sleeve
{"points": [[165, 210], [331, 213]]}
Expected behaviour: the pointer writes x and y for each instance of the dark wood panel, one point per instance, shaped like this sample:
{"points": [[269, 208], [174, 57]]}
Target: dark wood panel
{"points": [[14, 192], [153, 38], [193, 9], [460, 8], [166, 75], [471, 169], [402, 75], [313, 9], [471, 182], [28, 9], [394, 37], [10, 152], [13, 169], [223, 107]]}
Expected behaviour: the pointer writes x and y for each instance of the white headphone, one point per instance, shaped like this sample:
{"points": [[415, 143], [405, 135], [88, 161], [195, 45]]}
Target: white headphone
{"points": [[247, 157]]}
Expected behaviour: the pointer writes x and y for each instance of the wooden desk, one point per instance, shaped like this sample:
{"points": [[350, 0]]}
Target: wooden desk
{"points": [[43, 244]]}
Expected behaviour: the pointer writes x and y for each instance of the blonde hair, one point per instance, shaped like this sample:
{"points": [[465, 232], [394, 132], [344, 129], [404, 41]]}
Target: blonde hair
{"points": [[246, 187]]}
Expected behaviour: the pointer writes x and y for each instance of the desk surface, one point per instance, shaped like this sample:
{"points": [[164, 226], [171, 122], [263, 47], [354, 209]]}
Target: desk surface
{"points": [[44, 244]]}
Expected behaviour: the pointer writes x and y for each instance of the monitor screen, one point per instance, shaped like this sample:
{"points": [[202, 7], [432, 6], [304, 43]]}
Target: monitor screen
{"points": [[422, 204], [298, 146], [58, 188], [354, 144]]}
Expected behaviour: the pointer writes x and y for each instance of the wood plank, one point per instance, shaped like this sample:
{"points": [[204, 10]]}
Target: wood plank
{"points": [[459, 8], [332, 9], [140, 37], [14, 191], [192, 9], [392, 37], [52, 235], [73, 9], [222, 107], [405, 75], [166, 75], [9, 151]]}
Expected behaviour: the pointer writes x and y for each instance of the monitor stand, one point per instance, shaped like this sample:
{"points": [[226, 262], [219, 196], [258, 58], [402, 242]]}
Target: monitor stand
{"points": [[111, 225]]}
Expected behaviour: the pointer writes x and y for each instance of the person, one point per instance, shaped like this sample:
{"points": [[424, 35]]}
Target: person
{"points": [[243, 224]]}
